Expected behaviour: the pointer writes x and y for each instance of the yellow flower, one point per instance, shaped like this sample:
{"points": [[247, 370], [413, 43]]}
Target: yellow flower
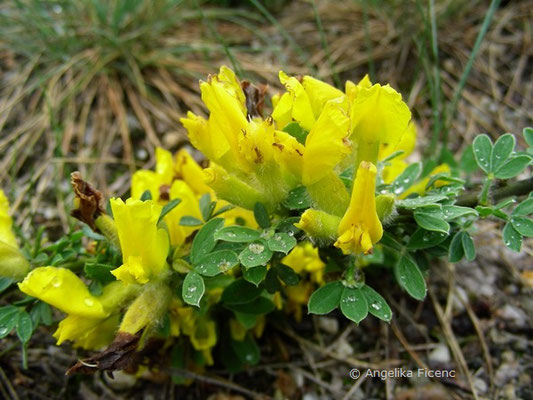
{"points": [[397, 165], [327, 142], [153, 181], [237, 330], [61, 288], [187, 169], [144, 245], [378, 115], [87, 333], [91, 321], [12, 262], [187, 207], [204, 335], [319, 93], [293, 105], [360, 227], [298, 296], [305, 258]]}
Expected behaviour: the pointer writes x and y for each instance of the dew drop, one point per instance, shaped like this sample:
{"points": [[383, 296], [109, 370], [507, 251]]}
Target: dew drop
{"points": [[376, 306], [56, 282], [3, 330], [89, 302], [256, 248]]}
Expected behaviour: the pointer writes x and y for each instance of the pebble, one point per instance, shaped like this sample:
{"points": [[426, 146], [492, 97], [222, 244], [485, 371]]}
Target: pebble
{"points": [[440, 354]]}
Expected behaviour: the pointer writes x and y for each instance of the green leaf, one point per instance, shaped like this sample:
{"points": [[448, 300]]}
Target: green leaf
{"points": [[216, 263], [287, 225], [24, 327], [501, 151], [187, 220], [147, 195], [261, 215], [523, 225], [193, 288], [528, 135], [168, 208], [406, 179], [287, 274], [468, 160], [326, 299], [247, 350], [295, 130], [256, 253], [281, 242], [239, 292], [420, 202], [512, 167], [431, 220], [482, 146], [99, 272], [423, 239], [204, 241], [255, 275], [456, 250], [8, 319], [272, 284], [453, 212], [206, 206], [298, 199], [238, 234], [524, 208], [41, 312], [5, 283], [377, 306], [410, 278], [468, 246], [353, 304], [260, 305], [246, 319], [512, 238], [222, 210]]}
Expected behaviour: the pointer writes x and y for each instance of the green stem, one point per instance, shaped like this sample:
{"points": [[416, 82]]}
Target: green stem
{"points": [[519, 188], [483, 197]]}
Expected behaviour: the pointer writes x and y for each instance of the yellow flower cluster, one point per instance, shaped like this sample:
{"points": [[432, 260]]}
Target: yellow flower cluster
{"points": [[258, 160], [314, 136]]}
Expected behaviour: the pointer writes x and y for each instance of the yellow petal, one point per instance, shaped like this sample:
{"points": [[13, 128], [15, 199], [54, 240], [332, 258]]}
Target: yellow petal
{"points": [[360, 227], [214, 146], [204, 335], [406, 144], [144, 246], [319, 93], [295, 103], [378, 114], [6, 234], [61, 288], [143, 180], [13, 264], [187, 168], [187, 207], [327, 143], [87, 333]]}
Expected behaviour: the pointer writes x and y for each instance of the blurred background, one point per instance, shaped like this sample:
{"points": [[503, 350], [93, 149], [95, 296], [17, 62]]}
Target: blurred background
{"points": [[95, 85]]}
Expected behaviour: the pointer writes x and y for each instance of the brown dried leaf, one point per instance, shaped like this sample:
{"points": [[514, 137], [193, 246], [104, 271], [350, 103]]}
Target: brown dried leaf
{"points": [[119, 355], [255, 99], [89, 201]]}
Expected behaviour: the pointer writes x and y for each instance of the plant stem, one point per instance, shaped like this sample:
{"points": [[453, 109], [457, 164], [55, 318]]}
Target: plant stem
{"points": [[483, 197], [519, 188]]}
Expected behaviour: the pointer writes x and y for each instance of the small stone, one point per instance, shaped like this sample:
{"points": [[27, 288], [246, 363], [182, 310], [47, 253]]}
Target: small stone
{"points": [[440, 354], [329, 325]]}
